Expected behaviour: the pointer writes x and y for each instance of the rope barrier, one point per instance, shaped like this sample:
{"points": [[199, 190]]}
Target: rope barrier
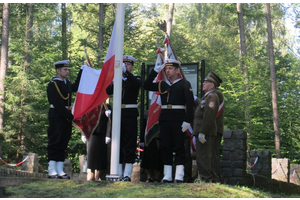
{"points": [[14, 165], [292, 176], [251, 166], [276, 169], [40, 166]]}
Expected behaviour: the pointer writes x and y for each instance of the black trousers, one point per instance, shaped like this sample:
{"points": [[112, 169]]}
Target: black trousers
{"points": [[59, 135], [97, 152], [152, 157], [128, 140], [172, 140], [188, 162]]}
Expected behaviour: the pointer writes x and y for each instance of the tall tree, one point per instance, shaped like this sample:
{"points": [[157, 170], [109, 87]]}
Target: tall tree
{"points": [[4, 59], [64, 31], [169, 24], [243, 55], [28, 35], [273, 82], [100, 36]]}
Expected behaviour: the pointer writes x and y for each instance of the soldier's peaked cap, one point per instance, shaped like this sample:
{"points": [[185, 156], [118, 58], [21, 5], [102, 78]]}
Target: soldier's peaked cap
{"points": [[172, 62], [62, 63], [212, 77], [127, 58]]}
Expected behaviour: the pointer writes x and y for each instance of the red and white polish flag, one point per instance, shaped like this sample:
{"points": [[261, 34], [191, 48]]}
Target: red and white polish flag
{"points": [[92, 88]]}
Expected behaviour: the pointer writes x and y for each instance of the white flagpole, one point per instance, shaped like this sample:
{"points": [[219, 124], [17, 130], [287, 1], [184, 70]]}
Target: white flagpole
{"points": [[116, 120]]}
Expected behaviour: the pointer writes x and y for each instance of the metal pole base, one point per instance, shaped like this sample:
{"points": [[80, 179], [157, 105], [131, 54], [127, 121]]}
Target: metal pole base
{"points": [[112, 177]]}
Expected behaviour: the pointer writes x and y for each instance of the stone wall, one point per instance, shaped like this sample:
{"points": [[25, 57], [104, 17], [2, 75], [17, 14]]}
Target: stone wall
{"points": [[31, 164], [295, 174], [233, 162], [281, 169], [260, 163]]}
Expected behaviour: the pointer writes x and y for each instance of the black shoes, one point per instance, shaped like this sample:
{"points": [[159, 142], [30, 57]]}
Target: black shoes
{"points": [[166, 181], [65, 176], [126, 178], [53, 176]]}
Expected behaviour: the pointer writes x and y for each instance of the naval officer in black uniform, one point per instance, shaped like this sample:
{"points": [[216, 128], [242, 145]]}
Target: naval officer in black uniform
{"points": [[176, 115], [129, 113], [59, 93]]}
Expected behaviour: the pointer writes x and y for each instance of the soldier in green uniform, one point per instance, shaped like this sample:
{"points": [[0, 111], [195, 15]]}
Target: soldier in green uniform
{"points": [[217, 142], [205, 127], [59, 93]]}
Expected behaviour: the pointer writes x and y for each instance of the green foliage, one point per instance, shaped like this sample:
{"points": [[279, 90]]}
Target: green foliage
{"points": [[199, 31]]}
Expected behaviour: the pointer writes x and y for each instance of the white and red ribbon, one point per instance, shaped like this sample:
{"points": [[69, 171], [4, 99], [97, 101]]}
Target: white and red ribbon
{"points": [[14, 165], [276, 169], [251, 166]]}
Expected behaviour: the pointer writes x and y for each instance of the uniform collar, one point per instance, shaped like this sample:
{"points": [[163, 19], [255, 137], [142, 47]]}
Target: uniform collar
{"points": [[169, 82], [58, 79]]}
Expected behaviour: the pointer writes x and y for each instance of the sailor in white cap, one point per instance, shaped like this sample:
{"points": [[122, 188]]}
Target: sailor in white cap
{"points": [[129, 113], [59, 93], [176, 115]]}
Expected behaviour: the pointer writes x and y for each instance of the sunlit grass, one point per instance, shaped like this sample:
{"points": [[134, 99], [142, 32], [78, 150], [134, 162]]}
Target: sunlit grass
{"points": [[108, 189]]}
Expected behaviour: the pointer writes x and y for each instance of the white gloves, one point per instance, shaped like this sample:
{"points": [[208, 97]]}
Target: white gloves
{"points": [[158, 68], [185, 126], [107, 140], [195, 97], [201, 138], [83, 138], [124, 68], [108, 113]]}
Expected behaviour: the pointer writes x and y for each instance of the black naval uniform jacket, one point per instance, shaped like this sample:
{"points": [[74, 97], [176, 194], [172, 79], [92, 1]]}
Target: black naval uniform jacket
{"points": [[59, 116], [130, 91], [180, 93]]}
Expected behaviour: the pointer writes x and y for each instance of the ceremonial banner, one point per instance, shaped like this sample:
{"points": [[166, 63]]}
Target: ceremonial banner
{"points": [[152, 128], [92, 91]]}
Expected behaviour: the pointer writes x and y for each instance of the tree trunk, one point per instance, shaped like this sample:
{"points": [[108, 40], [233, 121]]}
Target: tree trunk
{"points": [[100, 36], [4, 58], [169, 25], [64, 32], [28, 36], [273, 83], [243, 55]]}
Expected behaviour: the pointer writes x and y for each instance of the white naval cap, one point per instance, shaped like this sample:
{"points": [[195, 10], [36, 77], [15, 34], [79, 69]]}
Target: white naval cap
{"points": [[127, 58], [62, 63], [172, 62]]}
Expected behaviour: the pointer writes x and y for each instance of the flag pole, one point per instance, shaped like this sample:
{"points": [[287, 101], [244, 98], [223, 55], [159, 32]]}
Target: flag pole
{"points": [[116, 117]]}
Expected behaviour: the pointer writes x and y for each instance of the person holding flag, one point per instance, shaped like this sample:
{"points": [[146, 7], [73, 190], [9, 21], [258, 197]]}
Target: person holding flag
{"points": [[129, 113], [176, 115], [59, 93]]}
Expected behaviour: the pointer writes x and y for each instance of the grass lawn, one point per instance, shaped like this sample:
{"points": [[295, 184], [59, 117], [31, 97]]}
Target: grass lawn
{"points": [[110, 189]]}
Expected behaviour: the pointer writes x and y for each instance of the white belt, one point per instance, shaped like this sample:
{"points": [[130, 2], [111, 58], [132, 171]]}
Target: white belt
{"points": [[170, 106], [128, 105], [52, 106]]}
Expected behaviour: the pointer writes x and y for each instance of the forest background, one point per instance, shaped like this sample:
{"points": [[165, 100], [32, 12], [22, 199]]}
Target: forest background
{"points": [[43, 33]]}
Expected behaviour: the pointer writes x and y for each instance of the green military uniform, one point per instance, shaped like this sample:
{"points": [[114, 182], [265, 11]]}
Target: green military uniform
{"points": [[205, 123], [217, 141]]}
